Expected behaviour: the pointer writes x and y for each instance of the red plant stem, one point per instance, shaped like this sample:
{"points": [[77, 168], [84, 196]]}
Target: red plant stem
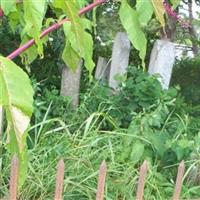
{"points": [[52, 28], [1, 13]]}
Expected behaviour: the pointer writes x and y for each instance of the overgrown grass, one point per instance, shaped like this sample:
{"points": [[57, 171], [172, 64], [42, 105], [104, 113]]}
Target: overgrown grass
{"points": [[83, 151], [139, 122]]}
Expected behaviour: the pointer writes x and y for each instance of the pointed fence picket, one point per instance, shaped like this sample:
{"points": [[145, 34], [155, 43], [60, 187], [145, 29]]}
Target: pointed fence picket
{"points": [[59, 179], [14, 178], [141, 181], [101, 180]]}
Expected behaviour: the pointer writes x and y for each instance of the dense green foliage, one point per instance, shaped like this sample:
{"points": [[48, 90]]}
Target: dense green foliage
{"points": [[186, 74], [140, 121], [28, 18]]}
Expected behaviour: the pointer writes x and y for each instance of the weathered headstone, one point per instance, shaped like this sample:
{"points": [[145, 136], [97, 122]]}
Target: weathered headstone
{"points": [[102, 69], [162, 60], [70, 83], [1, 120], [120, 58]]}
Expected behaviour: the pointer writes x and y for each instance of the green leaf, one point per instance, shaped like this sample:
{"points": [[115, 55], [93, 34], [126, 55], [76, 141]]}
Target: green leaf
{"points": [[30, 54], [8, 6], [141, 6], [78, 41], [87, 24], [159, 11], [83, 39], [14, 19], [130, 21], [158, 141], [16, 97], [82, 3], [175, 3], [34, 13], [76, 26], [70, 57], [137, 151]]}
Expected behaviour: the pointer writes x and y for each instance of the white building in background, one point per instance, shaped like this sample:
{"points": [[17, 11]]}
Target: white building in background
{"points": [[182, 50]]}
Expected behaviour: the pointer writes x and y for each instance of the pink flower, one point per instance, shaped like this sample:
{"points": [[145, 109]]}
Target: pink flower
{"points": [[1, 13], [174, 15]]}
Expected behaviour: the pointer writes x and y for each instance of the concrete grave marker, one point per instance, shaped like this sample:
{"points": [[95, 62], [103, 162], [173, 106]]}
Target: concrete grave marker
{"points": [[103, 69], [162, 60], [70, 83], [120, 58]]}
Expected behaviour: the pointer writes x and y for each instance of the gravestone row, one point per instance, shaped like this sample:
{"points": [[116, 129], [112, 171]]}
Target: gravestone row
{"points": [[161, 62]]}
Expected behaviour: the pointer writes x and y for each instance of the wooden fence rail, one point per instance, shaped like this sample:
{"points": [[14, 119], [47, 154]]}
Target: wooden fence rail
{"points": [[101, 180]]}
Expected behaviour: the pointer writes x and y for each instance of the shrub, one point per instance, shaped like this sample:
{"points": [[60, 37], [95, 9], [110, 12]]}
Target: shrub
{"points": [[137, 93], [186, 73]]}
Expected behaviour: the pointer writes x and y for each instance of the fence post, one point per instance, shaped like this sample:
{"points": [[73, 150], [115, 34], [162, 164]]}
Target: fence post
{"points": [[14, 178], [120, 58], [59, 180], [70, 83], [179, 181], [102, 69], [101, 181], [162, 60], [141, 181]]}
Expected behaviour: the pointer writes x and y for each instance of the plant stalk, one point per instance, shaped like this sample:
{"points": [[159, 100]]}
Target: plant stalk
{"points": [[55, 26]]}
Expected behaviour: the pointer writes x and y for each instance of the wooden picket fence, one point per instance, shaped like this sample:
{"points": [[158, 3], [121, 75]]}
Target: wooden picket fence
{"points": [[101, 180]]}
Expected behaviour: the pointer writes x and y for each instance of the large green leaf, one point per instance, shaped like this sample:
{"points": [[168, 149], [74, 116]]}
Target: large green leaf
{"points": [[78, 42], [16, 97], [15, 18], [137, 151], [71, 9], [130, 21], [34, 12], [158, 142], [159, 11], [70, 57], [145, 11], [8, 6]]}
